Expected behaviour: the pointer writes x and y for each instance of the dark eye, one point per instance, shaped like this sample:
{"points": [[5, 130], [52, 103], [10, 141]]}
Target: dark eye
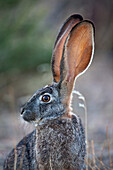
{"points": [[45, 98]]}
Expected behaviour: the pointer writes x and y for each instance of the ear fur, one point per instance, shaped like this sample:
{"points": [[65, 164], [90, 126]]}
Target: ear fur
{"points": [[77, 54], [59, 44]]}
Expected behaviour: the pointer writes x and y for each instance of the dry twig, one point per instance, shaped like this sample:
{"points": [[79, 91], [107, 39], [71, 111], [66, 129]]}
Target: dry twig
{"points": [[108, 144], [101, 155], [93, 153]]}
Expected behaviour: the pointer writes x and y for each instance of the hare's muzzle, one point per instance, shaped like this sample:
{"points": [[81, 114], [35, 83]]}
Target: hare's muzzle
{"points": [[28, 115]]}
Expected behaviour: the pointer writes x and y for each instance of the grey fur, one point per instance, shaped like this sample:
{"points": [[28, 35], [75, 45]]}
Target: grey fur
{"points": [[58, 142]]}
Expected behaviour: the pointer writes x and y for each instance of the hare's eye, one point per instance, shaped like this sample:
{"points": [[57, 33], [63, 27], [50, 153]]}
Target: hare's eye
{"points": [[46, 98]]}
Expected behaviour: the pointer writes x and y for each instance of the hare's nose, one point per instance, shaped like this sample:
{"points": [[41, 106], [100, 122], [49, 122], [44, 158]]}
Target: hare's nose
{"points": [[22, 111]]}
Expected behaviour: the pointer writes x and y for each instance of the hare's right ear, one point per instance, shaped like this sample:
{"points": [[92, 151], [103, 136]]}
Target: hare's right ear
{"points": [[77, 55], [59, 44]]}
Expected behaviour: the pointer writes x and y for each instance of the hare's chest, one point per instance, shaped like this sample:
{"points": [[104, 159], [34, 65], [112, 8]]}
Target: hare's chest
{"points": [[56, 146]]}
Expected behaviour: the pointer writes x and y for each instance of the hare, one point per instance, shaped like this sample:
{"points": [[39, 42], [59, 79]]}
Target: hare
{"points": [[58, 141]]}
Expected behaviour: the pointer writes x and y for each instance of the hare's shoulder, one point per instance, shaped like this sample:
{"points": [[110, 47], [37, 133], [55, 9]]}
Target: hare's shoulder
{"points": [[77, 123], [79, 134], [22, 154]]}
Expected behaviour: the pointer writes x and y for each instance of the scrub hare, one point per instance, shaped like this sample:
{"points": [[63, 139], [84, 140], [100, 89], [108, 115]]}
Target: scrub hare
{"points": [[58, 142]]}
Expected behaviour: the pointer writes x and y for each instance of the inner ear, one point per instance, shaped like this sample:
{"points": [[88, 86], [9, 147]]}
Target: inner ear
{"points": [[59, 44], [77, 54]]}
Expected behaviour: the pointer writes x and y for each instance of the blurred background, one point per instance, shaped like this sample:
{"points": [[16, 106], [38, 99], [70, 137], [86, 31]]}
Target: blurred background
{"points": [[27, 34]]}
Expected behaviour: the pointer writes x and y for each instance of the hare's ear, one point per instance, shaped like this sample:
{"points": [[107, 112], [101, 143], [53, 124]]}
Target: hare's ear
{"points": [[77, 54], [59, 44]]}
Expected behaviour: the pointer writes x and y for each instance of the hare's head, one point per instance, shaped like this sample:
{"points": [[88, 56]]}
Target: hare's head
{"points": [[72, 54]]}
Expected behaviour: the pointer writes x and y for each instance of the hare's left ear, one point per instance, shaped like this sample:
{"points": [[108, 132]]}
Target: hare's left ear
{"points": [[77, 54], [59, 44]]}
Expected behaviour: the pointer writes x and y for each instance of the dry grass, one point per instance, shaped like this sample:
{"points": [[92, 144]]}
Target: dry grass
{"points": [[100, 164], [95, 162], [108, 144], [15, 160], [91, 160]]}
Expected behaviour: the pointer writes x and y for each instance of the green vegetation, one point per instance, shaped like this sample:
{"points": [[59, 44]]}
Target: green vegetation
{"points": [[24, 43]]}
